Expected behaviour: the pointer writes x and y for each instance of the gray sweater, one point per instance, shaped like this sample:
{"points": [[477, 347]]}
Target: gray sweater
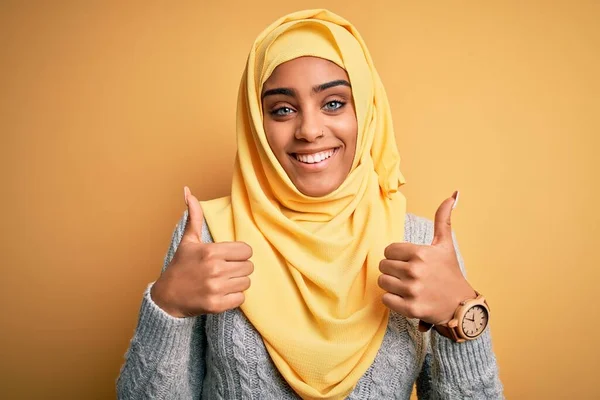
{"points": [[222, 356]]}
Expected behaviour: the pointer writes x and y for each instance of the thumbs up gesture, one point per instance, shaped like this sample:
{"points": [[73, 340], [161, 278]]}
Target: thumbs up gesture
{"points": [[425, 282], [203, 278]]}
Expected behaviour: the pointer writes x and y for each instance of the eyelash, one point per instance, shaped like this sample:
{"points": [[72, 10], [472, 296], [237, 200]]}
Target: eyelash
{"points": [[276, 112], [341, 104]]}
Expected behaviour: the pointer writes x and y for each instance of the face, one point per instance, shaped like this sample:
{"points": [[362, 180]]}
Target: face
{"points": [[310, 123]]}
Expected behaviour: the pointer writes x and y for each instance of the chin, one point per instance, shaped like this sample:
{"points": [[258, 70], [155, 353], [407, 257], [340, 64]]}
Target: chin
{"points": [[320, 189]]}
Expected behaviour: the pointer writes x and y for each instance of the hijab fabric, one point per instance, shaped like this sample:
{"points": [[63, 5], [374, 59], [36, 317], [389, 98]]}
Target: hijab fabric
{"points": [[314, 297]]}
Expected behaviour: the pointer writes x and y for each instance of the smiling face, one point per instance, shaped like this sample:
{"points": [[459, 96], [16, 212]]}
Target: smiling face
{"points": [[310, 123]]}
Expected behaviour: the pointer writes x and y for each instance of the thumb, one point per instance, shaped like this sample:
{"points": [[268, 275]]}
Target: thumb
{"points": [[193, 228], [442, 227]]}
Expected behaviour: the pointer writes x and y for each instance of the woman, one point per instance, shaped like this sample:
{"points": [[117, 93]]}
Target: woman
{"points": [[311, 280]]}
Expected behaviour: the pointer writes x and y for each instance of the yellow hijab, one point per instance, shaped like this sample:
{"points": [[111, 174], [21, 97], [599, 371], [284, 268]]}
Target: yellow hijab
{"points": [[314, 296]]}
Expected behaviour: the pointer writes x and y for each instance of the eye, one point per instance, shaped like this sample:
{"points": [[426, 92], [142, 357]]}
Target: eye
{"points": [[281, 111], [333, 105]]}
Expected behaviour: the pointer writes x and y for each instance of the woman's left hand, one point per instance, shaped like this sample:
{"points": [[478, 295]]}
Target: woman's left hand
{"points": [[425, 282]]}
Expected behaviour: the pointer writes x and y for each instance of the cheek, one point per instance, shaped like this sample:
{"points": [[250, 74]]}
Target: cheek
{"points": [[275, 133], [347, 129], [348, 133]]}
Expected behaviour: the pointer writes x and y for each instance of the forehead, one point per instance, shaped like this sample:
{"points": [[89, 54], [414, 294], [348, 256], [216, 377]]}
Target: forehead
{"points": [[305, 71]]}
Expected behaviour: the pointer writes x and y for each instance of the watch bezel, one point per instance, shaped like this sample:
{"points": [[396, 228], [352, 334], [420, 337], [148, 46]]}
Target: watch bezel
{"points": [[461, 312], [480, 330]]}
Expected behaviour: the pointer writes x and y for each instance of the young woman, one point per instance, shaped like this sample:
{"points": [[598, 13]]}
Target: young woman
{"points": [[311, 281]]}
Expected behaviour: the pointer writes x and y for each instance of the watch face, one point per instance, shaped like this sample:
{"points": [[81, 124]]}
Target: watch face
{"points": [[475, 321]]}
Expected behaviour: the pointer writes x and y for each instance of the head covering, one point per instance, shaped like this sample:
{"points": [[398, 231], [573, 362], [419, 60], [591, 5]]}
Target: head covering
{"points": [[314, 296]]}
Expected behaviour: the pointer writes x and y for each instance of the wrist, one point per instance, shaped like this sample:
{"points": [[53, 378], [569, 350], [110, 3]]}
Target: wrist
{"points": [[469, 322], [158, 297], [465, 293]]}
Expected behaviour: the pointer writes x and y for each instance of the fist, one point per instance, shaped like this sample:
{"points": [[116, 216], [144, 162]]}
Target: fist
{"points": [[203, 278], [425, 282]]}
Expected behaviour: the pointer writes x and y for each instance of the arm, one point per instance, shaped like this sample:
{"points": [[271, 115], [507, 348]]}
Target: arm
{"points": [[458, 370], [165, 359]]}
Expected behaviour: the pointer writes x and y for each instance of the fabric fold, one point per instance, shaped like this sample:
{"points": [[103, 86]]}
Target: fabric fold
{"points": [[314, 296]]}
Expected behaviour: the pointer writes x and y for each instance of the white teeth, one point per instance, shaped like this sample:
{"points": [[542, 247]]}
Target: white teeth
{"points": [[314, 158]]}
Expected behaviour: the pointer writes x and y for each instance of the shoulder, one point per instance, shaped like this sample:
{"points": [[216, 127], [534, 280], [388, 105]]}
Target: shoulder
{"points": [[418, 230]]}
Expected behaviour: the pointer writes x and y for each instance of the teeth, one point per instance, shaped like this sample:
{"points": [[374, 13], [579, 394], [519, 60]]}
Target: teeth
{"points": [[314, 158]]}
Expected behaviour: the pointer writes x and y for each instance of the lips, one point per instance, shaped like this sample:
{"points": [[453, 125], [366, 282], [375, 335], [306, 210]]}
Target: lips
{"points": [[314, 158]]}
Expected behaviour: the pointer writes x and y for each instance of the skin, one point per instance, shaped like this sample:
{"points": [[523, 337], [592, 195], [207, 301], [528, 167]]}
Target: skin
{"points": [[425, 281], [203, 278], [308, 108]]}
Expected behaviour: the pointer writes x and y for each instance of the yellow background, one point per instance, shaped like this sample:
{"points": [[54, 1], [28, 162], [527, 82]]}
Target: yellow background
{"points": [[108, 109]]}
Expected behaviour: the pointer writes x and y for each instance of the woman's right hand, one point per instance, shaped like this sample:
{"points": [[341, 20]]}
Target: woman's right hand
{"points": [[203, 278]]}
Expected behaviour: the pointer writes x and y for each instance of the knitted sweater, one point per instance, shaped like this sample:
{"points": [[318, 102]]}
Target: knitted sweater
{"points": [[222, 356]]}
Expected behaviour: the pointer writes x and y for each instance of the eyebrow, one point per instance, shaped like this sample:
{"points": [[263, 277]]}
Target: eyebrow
{"points": [[328, 85], [315, 89]]}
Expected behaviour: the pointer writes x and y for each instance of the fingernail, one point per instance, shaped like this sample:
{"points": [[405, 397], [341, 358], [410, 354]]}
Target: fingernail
{"points": [[455, 195], [186, 192]]}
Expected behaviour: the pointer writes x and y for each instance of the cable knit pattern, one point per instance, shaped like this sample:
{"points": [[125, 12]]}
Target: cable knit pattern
{"points": [[240, 346], [222, 356], [395, 365]]}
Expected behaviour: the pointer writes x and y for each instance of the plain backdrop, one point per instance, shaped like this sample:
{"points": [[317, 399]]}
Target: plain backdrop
{"points": [[107, 109]]}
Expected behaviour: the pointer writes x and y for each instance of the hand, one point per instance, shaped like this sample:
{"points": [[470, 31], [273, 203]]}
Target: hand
{"points": [[425, 282], [203, 278]]}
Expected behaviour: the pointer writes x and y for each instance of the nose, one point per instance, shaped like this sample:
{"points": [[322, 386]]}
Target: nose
{"points": [[310, 128]]}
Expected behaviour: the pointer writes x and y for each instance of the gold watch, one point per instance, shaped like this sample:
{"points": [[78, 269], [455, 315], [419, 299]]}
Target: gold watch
{"points": [[470, 320]]}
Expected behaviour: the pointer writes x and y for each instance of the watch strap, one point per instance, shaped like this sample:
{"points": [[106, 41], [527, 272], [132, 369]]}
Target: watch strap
{"points": [[448, 332], [441, 329], [445, 330], [424, 326]]}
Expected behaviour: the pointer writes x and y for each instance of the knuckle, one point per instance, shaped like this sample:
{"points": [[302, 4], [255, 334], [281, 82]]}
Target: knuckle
{"points": [[421, 252], [382, 265], [388, 283], [246, 249], [389, 267], [211, 305], [241, 299], [389, 250], [385, 299], [243, 284], [413, 272], [413, 310], [207, 251], [213, 287], [381, 281], [235, 300], [213, 268], [415, 289]]}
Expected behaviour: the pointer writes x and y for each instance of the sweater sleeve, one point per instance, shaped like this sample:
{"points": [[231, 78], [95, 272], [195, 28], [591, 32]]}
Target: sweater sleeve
{"points": [[452, 370], [165, 359]]}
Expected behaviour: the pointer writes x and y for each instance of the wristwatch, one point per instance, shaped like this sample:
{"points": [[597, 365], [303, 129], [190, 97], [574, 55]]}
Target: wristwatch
{"points": [[468, 323]]}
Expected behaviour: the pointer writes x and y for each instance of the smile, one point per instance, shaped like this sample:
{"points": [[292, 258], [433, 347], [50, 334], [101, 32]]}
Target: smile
{"points": [[314, 162], [315, 158]]}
